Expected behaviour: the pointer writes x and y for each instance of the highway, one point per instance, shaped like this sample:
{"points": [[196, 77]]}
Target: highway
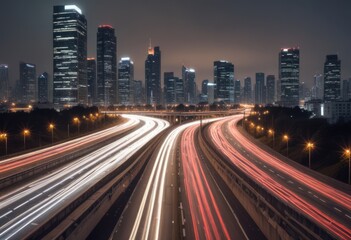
{"points": [[170, 191], [21, 162], [26, 208], [320, 202], [213, 213]]}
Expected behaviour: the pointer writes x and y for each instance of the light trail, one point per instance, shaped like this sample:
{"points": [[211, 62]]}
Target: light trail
{"points": [[337, 196], [264, 178], [47, 196], [203, 205], [43, 154]]}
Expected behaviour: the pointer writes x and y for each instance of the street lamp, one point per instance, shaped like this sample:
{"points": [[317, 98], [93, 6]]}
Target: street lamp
{"points": [[271, 132], [348, 155], [76, 120], [286, 138], [4, 136], [309, 146], [25, 133], [51, 127]]}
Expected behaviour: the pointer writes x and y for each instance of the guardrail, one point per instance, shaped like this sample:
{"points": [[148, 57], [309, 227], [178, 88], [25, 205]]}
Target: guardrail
{"points": [[276, 219]]}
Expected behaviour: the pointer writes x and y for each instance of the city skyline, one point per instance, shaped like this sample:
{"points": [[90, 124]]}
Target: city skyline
{"points": [[227, 35]]}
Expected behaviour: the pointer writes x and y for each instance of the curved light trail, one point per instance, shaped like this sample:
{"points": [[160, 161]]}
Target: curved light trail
{"points": [[283, 186], [202, 203], [22, 210], [43, 154]]}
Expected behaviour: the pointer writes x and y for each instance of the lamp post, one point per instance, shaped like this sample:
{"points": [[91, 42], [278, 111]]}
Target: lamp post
{"points": [[286, 138], [348, 155], [76, 120], [271, 132], [25, 133], [309, 146], [51, 127]]}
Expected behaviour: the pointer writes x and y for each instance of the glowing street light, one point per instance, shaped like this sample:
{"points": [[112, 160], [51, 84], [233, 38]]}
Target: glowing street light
{"points": [[286, 138], [4, 136], [271, 132], [309, 146], [348, 155], [25, 133], [51, 127], [76, 120]]}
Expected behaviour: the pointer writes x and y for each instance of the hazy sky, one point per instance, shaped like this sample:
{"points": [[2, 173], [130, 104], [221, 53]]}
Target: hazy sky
{"points": [[249, 33]]}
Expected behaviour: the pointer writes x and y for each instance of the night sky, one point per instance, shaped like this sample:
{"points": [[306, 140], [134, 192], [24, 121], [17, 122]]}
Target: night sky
{"points": [[249, 33]]}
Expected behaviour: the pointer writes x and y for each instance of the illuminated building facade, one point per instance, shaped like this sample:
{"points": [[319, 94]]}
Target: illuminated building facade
{"points": [[189, 76], [270, 89], [28, 83], [125, 81], [224, 81], [106, 66], [289, 75], [153, 76], [260, 89], [70, 54], [332, 78], [91, 76], [43, 88], [4, 82]]}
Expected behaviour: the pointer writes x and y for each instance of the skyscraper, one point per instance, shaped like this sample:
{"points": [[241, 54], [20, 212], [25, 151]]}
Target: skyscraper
{"points": [[43, 88], [153, 76], [247, 91], [179, 90], [189, 75], [169, 88], [125, 81], [318, 87], [204, 87], [224, 81], [138, 92], [259, 89], [4, 82], [289, 74], [237, 91], [332, 81], [70, 53], [28, 83], [270, 89], [91, 76], [106, 66]]}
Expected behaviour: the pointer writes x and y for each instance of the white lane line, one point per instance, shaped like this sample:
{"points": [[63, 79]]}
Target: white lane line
{"points": [[348, 216], [337, 209], [301, 188], [271, 170], [4, 215], [322, 200], [280, 176], [291, 182]]}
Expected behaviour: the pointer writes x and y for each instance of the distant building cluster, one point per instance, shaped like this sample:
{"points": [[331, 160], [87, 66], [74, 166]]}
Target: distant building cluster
{"points": [[104, 82]]}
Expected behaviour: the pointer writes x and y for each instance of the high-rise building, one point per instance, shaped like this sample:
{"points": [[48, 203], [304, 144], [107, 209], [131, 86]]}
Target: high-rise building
{"points": [[204, 87], [179, 90], [4, 82], [28, 83], [125, 81], [91, 76], [70, 54], [138, 92], [270, 89], [153, 76], [259, 89], [247, 90], [43, 88], [106, 53], [318, 87], [237, 91], [169, 88], [289, 75], [189, 75], [332, 78], [346, 89], [224, 81]]}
